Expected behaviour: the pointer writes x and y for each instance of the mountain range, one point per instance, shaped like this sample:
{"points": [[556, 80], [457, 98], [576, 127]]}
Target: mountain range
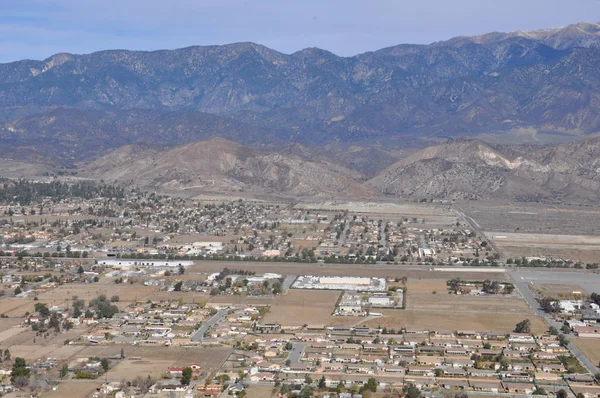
{"points": [[274, 122]]}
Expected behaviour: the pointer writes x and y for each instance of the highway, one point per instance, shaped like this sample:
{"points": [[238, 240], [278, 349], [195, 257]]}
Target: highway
{"points": [[199, 335], [522, 286]]}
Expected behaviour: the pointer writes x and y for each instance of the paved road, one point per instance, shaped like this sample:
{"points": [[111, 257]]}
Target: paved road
{"points": [[424, 244], [296, 353], [477, 228], [342, 240], [523, 286], [590, 281], [287, 283], [199, 335], [382, 235]]}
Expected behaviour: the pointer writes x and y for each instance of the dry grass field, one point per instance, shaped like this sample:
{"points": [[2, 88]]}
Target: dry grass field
{"points": [[210, 358], [583, 247], [259, 392], [73, 390], [188, 297], [590, 347], [156, 360], [454, 321], [15, 307], [496, 304], [86, 292], [425, 286], [300, 307], [560, 291], [129, 370]]}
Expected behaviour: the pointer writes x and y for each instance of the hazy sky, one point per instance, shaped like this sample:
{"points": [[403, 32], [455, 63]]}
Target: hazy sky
{"points": [[37, 29]]}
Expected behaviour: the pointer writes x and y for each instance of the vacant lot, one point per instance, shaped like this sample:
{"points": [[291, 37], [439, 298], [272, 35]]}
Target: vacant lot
{"points": [[425, 286], [129, 370], [15, 307], [73, 389], [479, 322], [590, 347], [86, 292], [155, 361], [259, 392], [534, 217], [210, 358], [300, 307], [560, 291], [449, 303]]}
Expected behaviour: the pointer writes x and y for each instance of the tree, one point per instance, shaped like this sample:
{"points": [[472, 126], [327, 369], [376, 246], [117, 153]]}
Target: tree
{"points": [[549, 305], [20, 373], [322, 383], [412, 391], [181, 270], [6, 355], [561, 394], [523, 327], [186, 376], [563, 341], [80, 270], [64, 371], [454, 285], [122, 353], [114, 299], [308, 380], [539, 391], [18, 290], [491, 287], [306, 392], [177, 286], [370, 385], [105, 364], [42, 309]]}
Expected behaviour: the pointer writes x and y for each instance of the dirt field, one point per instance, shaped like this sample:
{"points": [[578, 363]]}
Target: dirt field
{"points": [[156, 360], [188, 297], [300, 307], [15, 307], [73, 390], [259, 392], [497, 304], [564, 292], [454, 321], [590, 347], [534, 217], [425, 286], [87, 292], [583, 247]]}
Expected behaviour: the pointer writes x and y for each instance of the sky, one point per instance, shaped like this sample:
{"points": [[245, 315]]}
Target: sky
{"points": [[36, 29]]}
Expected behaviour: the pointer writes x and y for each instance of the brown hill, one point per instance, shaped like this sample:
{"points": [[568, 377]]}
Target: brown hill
{"points": [[471, 169], [219, 165]]}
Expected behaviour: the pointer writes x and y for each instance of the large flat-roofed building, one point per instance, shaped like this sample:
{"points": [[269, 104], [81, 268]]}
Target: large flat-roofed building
{"points": [[340, 280], [340, 283]]}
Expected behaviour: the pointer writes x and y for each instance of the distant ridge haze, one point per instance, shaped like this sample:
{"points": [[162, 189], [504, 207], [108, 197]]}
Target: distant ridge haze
{"points": [[362, 114]]}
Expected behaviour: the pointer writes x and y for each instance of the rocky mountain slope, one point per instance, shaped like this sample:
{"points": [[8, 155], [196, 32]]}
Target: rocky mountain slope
{"points": [[467, 168], [547, 81], [218, 165]]}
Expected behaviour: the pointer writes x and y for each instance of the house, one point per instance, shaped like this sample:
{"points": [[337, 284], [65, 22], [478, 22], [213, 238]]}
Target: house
{"points": [[264, 377]]}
